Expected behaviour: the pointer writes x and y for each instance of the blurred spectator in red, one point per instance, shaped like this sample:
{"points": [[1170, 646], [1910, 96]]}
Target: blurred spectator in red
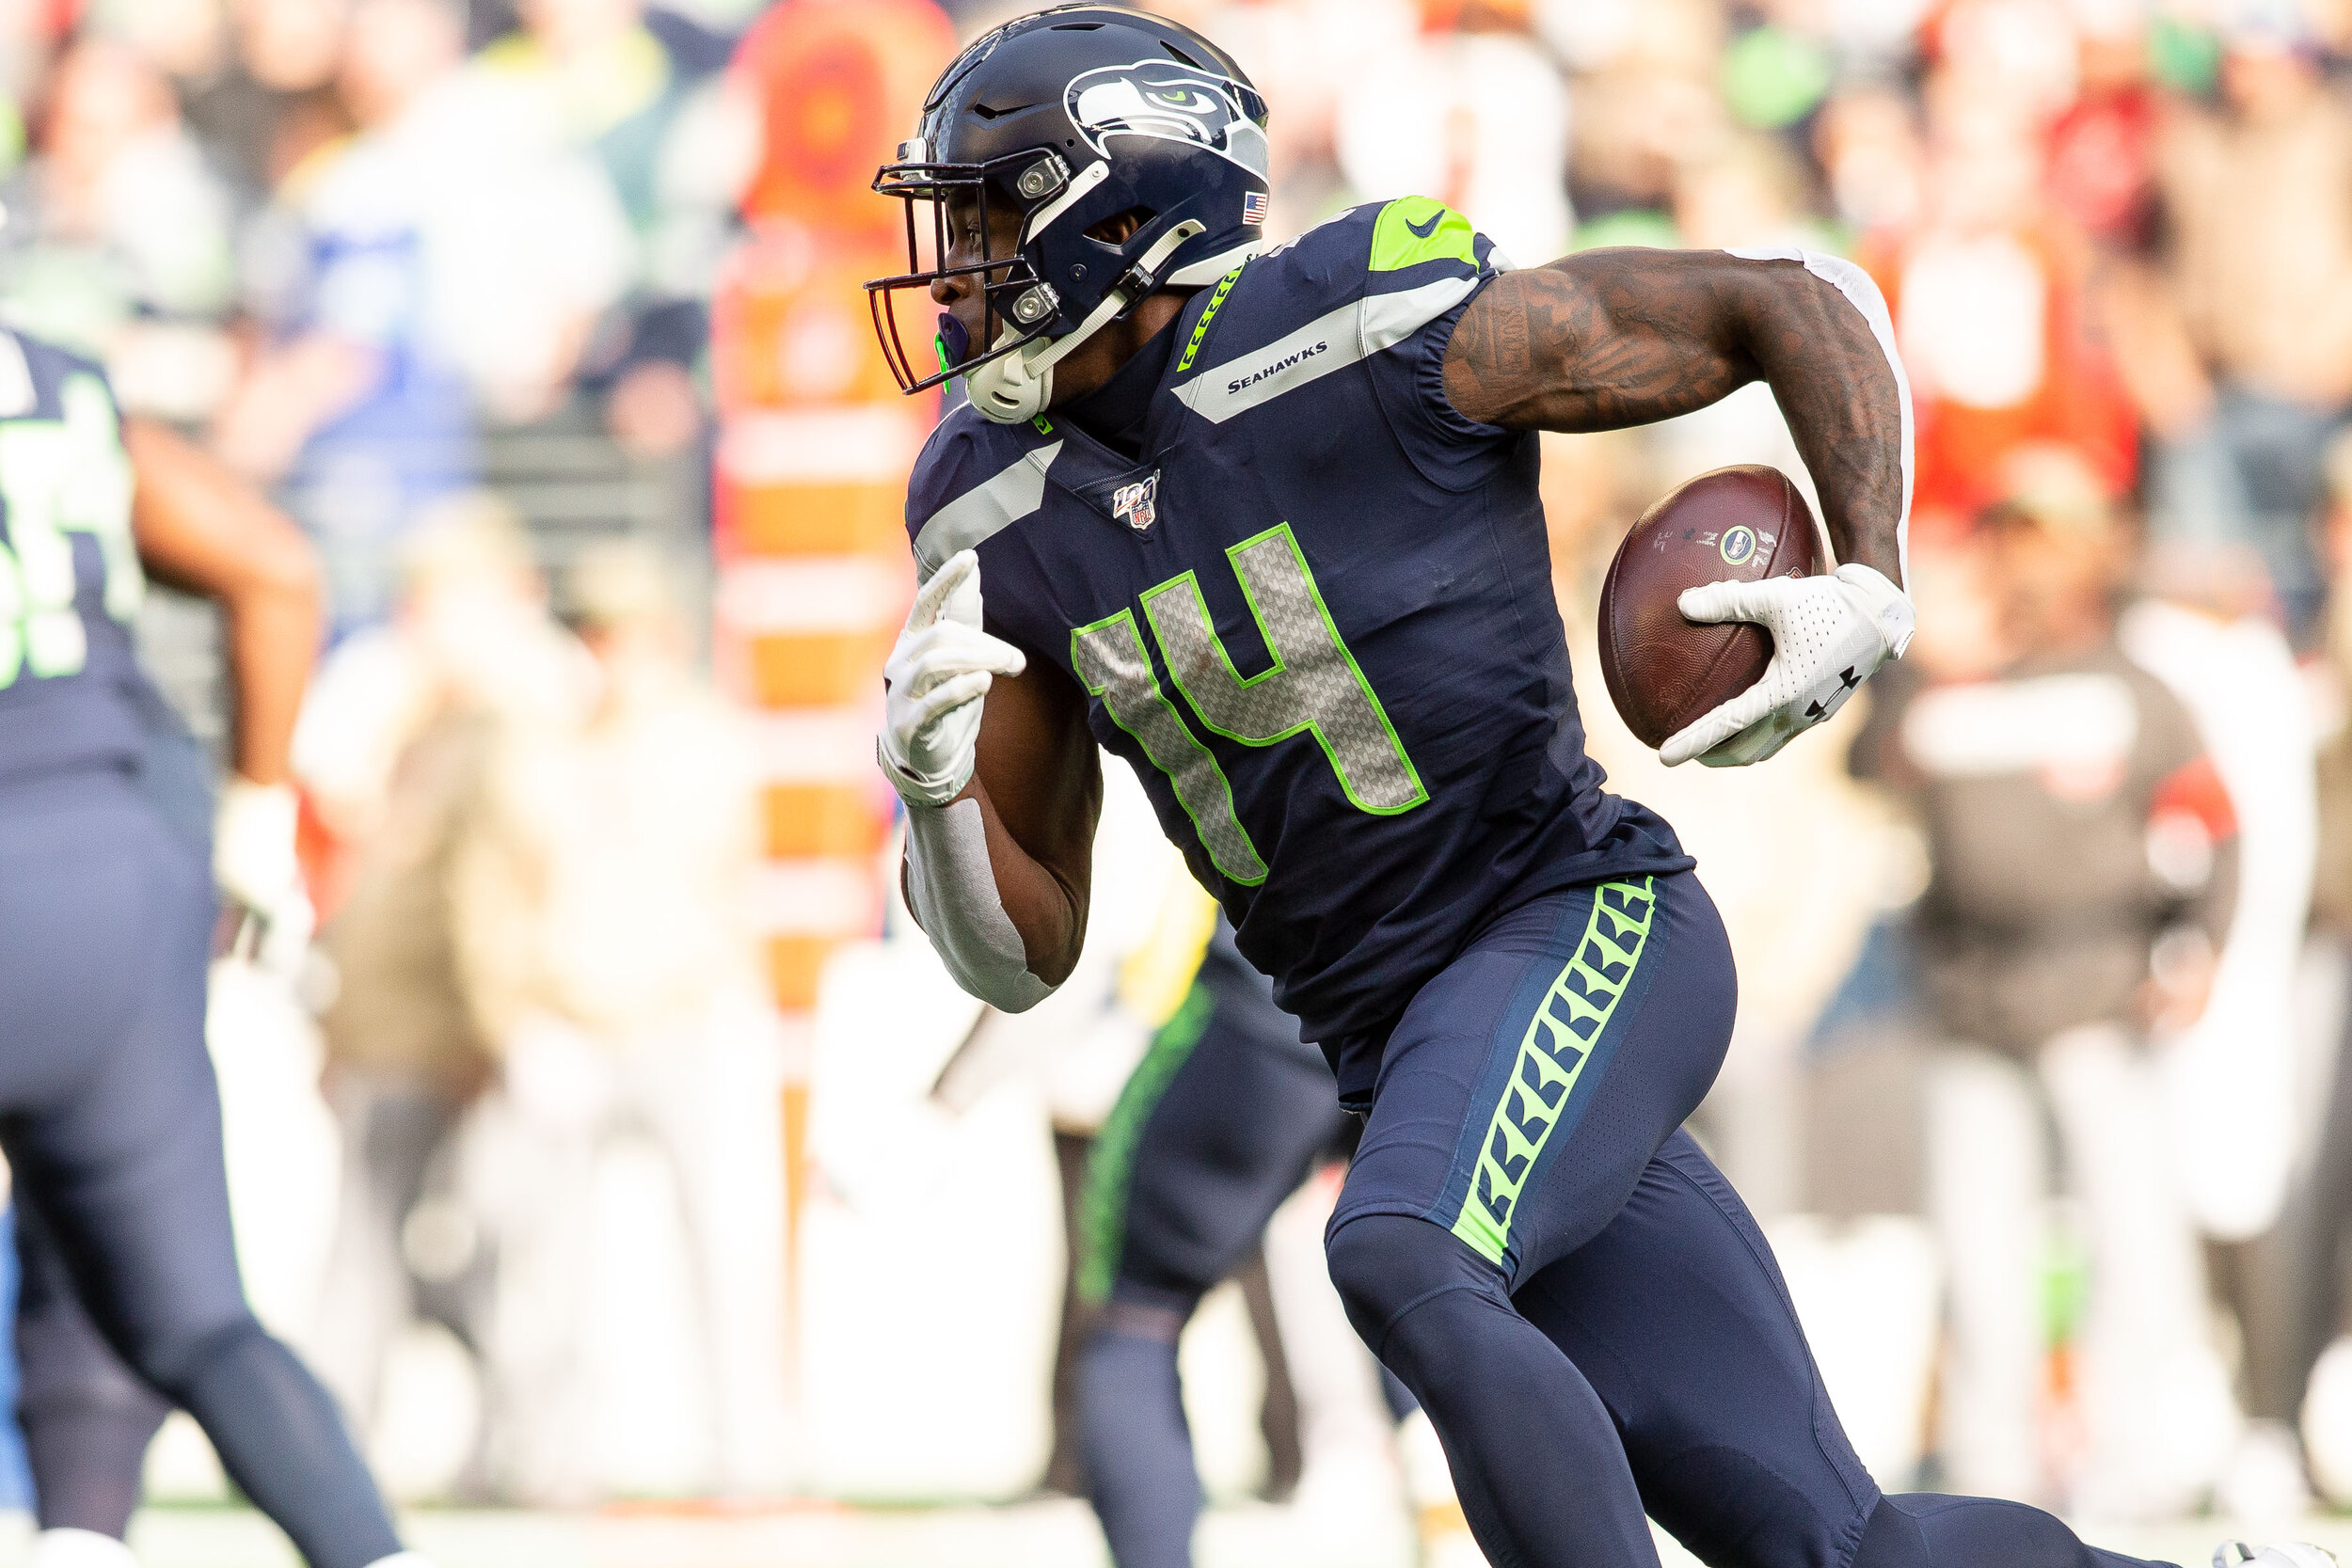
{"points": [[119, 239], [2241, 354], [2102, 146], [1990, 307]]}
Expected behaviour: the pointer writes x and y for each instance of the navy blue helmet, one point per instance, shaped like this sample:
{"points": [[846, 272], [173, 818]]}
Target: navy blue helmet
{"points": [[1073, 118]]}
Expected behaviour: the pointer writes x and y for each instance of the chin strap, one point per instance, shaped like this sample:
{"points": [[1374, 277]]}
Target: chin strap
{"points": [[1016, 387]]}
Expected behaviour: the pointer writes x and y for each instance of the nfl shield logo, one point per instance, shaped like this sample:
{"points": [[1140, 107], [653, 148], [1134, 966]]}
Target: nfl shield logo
{"points": [[1137, 505]]}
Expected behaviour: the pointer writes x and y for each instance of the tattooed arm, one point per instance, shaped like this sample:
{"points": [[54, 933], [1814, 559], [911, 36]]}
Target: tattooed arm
{"points": [[1615, 337]]}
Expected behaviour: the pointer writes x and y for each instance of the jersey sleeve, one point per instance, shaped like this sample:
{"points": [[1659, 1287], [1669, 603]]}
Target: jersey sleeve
{"points": [[1427, 263], [931, 487], [971, 483]]}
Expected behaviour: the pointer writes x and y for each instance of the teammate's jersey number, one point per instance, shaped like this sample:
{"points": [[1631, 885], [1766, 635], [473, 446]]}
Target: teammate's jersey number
{"points": [[57, 478], [1314, 688]]}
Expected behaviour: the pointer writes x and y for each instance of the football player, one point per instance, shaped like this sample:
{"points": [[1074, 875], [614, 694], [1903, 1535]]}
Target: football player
{"points": [[112, 1119], [1264, 523], [1223, 1118]]}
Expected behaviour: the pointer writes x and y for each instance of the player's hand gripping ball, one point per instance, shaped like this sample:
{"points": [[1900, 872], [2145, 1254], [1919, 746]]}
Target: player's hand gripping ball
{"points": [[933, 682], [1719, 639]]}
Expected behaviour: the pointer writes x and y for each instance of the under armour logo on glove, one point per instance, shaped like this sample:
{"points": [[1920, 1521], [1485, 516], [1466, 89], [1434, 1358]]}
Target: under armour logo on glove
{"points": [[1846, 678], [1829, 634]]}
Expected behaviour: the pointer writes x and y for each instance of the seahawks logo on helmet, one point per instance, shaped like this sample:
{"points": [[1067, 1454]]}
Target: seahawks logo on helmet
{"points": [[1167, 102]]}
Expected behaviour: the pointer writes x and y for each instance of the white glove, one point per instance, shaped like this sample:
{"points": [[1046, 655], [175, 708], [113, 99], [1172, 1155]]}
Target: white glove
{"points": [[942, 666], [254, 862], [2294, 1555], [1829, 634]]}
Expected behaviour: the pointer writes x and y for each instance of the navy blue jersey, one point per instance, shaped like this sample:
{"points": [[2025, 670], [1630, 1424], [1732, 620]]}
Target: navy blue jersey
{"points": [[71, 693], [1314, 614], [1245, 997]]}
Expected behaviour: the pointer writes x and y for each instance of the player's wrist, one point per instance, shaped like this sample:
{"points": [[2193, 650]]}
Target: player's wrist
{"points": [[918, 787], [952, 889], [245, 796], [1887, 607], [253, 838]]}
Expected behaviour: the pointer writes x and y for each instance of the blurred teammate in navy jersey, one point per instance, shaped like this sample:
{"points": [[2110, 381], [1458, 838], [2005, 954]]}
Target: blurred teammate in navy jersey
{"points": [[108, 1111], [1225, 1115]]}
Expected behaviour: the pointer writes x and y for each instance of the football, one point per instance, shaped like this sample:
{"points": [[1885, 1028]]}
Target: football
{"points": [[1745, 523]]}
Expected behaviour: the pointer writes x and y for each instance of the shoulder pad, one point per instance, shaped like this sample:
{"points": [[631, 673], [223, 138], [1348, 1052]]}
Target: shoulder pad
{"points": [[972, 481], [1416, 238], [1384, 245], [1355, 286], [1329, 256]]}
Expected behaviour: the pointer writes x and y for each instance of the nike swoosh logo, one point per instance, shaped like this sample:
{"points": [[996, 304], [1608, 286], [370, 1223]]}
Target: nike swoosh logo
{"points": [[1422, 230]]}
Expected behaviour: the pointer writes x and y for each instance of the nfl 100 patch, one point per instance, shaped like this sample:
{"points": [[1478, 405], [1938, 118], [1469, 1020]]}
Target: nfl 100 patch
{"points": [[1137, 505]]}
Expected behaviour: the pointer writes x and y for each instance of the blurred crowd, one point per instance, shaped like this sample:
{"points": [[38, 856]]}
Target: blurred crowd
{"points": [[360, 248], [2044, 1072], [349, 240]]}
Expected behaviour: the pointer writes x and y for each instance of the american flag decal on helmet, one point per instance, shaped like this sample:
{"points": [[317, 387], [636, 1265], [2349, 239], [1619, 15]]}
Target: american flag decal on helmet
{"points": [[1253, 207]]}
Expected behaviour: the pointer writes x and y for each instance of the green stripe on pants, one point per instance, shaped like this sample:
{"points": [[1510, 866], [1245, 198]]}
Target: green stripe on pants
{"points": [[1111, 1167], [1552, 1057]]}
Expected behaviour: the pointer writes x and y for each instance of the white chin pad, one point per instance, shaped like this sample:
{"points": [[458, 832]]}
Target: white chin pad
{"points": [[1020, 386], [1015, 387]]}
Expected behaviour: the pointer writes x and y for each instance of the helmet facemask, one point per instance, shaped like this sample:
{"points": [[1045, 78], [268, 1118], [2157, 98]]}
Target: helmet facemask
{"points": [[1018, 306], [1131, 150], [1009, 374]]}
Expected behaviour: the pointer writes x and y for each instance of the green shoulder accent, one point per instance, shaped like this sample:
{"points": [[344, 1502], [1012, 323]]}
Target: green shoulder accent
{"points": [[1416, 229], [1200, 330], [1111, 1165]]}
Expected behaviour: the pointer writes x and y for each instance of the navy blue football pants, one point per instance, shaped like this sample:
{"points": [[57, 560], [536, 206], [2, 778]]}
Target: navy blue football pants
{"points": [[1220, 1122], [1577, 1296], [111, 1121], [87, 1418]]}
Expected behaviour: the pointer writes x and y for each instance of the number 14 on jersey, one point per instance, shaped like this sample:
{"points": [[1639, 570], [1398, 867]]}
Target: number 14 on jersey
{"points": [[1315, 687]]}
